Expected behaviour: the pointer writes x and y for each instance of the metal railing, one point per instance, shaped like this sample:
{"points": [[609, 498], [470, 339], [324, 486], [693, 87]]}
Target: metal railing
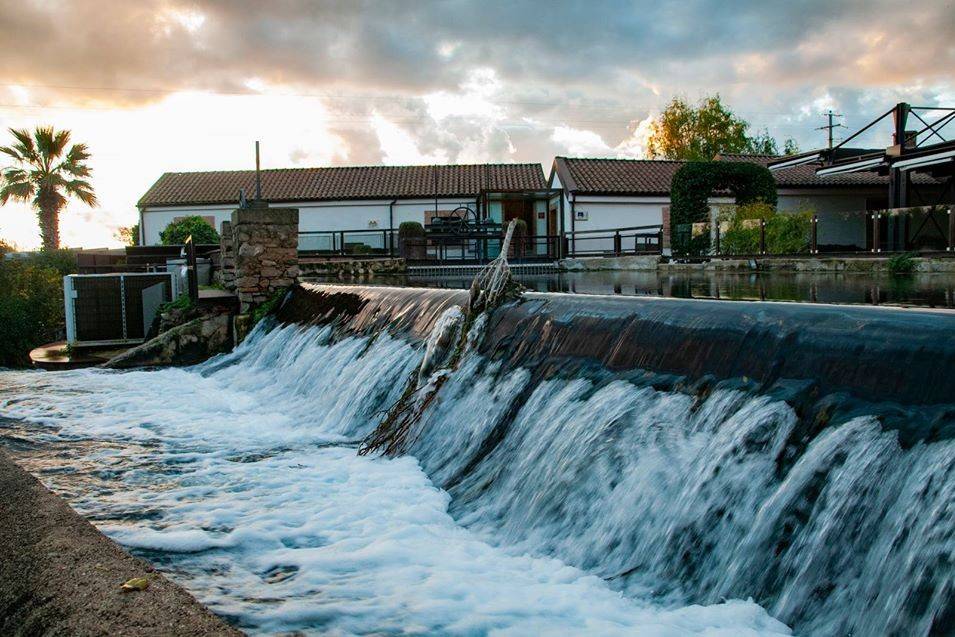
{"points": [[614, 242], [348, 243], [477, 248], [927, 230]]}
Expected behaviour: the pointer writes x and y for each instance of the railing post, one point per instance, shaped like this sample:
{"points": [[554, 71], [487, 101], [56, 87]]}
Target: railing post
{"points": [[616, 244], [762, 236], [814, 235], [717, 246], [341, 242], [191, 274], [876, 240], [660, 240], [566, 245], [951, 229]]}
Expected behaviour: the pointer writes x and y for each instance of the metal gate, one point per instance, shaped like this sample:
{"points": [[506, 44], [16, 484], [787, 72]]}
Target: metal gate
{"points": [[108, 309]]}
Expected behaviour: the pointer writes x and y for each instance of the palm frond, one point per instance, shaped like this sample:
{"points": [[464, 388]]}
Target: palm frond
{"points": [[18, 191], [15, 174], [82, 190], [60, 140], [24, 145], [45, 144], [12, 152]]}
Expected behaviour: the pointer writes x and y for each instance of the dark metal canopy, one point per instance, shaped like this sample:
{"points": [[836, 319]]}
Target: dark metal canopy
{"points": [[924, 148]]}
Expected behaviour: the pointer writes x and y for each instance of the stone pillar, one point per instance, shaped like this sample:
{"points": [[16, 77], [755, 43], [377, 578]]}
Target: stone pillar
{"points": [[266, 252], [227, 257]]}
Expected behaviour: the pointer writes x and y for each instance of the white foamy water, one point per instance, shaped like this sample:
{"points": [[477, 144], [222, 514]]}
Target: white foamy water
{"points": [[240, 479]]}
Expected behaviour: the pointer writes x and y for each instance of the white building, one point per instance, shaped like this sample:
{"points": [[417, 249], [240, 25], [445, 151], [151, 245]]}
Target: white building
{"points": [[609, 194], [368, 202]]}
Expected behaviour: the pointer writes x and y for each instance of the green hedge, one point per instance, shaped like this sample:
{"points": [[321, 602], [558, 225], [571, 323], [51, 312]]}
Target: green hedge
{"points": [[695, 182]]}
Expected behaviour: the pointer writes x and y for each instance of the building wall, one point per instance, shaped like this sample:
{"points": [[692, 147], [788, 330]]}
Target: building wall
{"points": [[313, 216], [609, 212]]}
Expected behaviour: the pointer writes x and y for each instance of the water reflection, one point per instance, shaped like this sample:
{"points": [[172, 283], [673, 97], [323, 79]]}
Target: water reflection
{"points": [[924, 290]]}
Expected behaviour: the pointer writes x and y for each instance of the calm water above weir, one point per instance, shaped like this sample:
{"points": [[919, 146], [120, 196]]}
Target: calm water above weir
{"points": [[920, 290]]}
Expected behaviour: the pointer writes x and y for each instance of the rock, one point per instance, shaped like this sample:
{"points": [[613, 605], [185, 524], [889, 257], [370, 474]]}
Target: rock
{"points": [[186, 344]]}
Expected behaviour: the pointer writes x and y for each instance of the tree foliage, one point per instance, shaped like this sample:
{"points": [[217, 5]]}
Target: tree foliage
{"points": [[46, 171], [179, 230], [31, 308], [699, 133], [695, 182], [129, 235]]}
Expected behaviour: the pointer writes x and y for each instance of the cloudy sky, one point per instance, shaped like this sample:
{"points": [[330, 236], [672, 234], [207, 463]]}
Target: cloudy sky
{"points": [[174, 85]]}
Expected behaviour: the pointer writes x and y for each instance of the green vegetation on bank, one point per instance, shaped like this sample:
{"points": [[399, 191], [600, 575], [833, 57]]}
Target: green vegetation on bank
{"points": [[31, 301]]}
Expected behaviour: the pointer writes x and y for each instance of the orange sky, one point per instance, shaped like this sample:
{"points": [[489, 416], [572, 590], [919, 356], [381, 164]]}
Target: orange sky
{"points": [[172, 85]]}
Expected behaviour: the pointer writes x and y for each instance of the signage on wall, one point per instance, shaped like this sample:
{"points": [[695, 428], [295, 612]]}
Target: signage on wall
{"points": [[373, 223], [581, 215]]}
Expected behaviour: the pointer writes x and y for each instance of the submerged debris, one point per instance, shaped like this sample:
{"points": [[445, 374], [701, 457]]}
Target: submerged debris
{"points": [[449, 338]]}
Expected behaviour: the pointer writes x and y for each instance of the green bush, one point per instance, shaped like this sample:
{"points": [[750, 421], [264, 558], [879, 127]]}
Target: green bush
{"points": [[786, 233], [63, 260], [410, 229], [694, 183], [31, 308], [901, 263], [178, 231]]}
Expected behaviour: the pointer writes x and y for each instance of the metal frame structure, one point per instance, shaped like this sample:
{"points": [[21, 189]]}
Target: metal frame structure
{"points": [[69, 302], [926, 150]]}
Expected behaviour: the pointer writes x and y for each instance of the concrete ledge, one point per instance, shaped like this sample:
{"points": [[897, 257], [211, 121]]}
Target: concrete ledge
{"points": [[594, 264], [265, 215], [60, 576]]}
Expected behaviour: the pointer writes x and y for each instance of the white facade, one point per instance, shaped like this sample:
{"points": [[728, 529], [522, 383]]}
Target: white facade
{"points": [[368, 215], [608, 212]]}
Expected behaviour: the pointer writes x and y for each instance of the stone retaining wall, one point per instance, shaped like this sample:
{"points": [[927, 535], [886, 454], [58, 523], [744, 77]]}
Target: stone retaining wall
{"points": [[60, 576]]}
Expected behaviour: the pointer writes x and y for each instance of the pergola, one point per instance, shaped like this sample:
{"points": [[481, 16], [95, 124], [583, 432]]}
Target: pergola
{"points": [[924, 148]]}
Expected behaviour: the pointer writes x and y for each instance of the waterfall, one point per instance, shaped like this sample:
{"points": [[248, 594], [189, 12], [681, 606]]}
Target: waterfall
{"points": [[598, 467]]}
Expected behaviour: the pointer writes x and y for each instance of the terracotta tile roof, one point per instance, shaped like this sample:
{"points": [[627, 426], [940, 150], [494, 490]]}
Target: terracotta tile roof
{"points": [[357, 182], [651, 177]]}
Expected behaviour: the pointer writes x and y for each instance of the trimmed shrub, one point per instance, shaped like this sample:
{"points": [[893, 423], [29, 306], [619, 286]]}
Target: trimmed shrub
{"points": [[410, 229], [694, 183], [178, 231]]}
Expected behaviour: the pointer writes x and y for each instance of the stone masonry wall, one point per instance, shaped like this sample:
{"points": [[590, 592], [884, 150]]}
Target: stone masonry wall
{"points": [[266, 252], [227, 257]]}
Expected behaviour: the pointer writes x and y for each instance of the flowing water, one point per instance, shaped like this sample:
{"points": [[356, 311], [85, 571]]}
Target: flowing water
{"points": [[558, 503]]}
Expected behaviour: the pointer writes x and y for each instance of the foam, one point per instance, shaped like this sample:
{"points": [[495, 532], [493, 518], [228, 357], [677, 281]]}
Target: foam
{"points": [[269, 518]]}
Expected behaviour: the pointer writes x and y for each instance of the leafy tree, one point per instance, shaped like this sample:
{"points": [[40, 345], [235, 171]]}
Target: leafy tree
{"points": [[45, 173], [790, 147], [762, 144], [180, 229], [699, 133], [129, 235]]}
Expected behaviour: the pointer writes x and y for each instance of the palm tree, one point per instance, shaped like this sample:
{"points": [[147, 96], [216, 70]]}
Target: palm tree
{"points": [[46, 174]]}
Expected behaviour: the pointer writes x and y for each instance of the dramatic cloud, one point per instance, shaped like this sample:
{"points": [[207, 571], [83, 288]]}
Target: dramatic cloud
{"points": [[158, 85]]}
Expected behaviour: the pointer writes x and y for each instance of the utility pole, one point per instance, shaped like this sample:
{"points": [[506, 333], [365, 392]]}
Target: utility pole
{"points": [[258, 177], [831, 126]]}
